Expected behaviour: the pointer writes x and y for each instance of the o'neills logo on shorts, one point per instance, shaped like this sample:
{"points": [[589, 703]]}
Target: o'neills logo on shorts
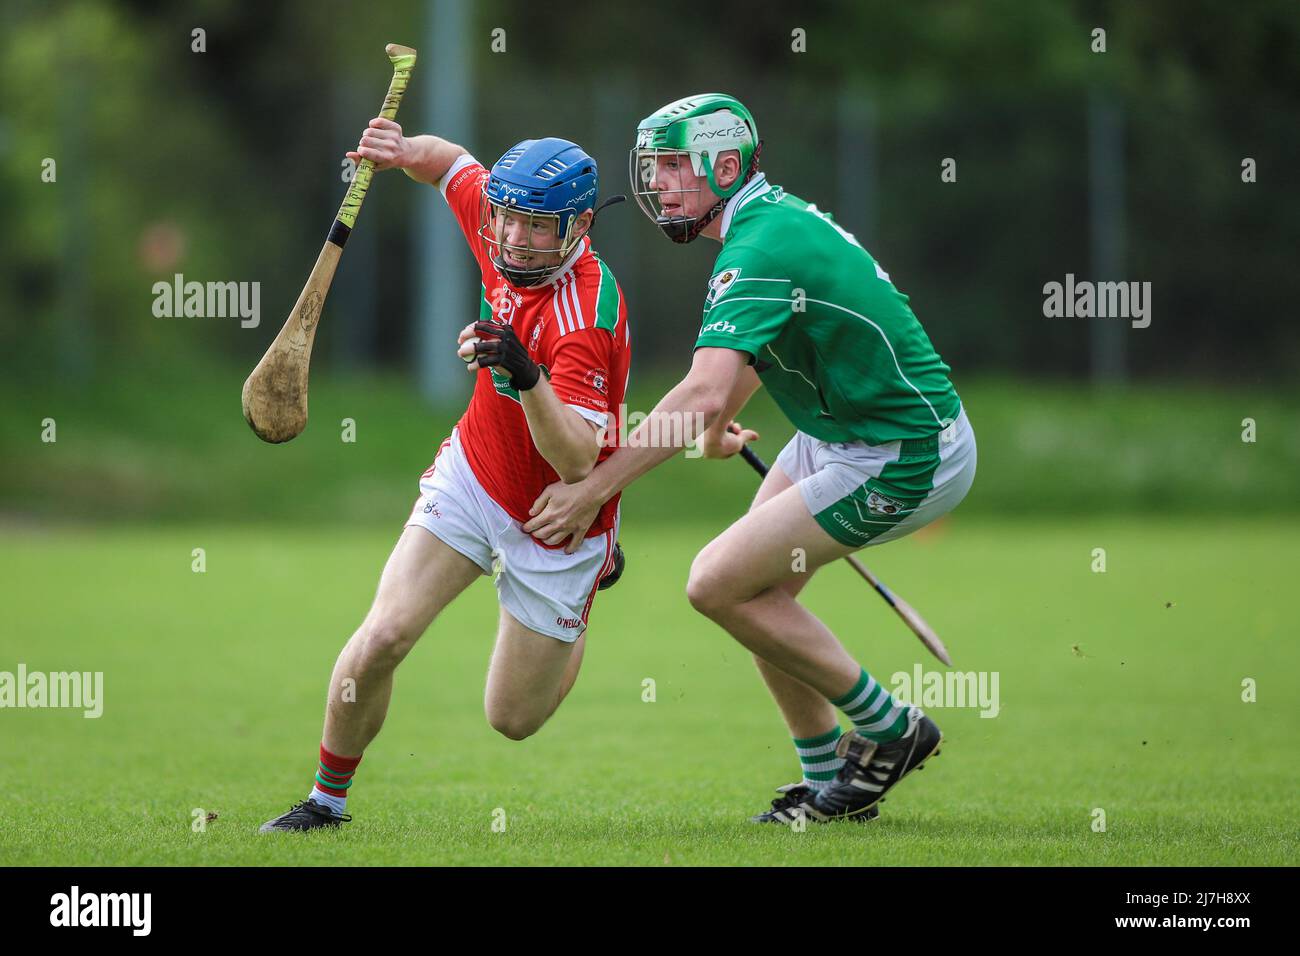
{"points": [[569, 621]]}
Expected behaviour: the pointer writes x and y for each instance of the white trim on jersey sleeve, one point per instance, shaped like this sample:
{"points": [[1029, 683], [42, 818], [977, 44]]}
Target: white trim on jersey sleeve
{"points": [[591, 415], [463, 160]]}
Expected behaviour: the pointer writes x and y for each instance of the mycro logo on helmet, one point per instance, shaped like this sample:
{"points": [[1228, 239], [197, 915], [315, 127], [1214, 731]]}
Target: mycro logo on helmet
{"points": [[587, 195], [734, 132], [723, 124], [514, 190]]}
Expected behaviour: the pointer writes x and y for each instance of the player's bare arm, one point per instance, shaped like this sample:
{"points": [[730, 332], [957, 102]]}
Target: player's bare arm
{"points": [[726, 436], [424, 158], [566, 511], [569, 443]]}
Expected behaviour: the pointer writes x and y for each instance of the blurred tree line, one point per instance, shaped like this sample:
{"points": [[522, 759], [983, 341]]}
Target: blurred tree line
{"points": [[225, 165]]}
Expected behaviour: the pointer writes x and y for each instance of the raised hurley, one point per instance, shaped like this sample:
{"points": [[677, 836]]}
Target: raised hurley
{"points": [[275, 395]]}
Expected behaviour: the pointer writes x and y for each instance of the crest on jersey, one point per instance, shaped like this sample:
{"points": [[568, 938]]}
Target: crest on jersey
{"points": [[878, 504], [598, 379], [537, 334], [721, 283]]}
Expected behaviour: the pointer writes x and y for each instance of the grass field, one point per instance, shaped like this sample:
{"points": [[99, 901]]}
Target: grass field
{"points": [[1120, 691]]}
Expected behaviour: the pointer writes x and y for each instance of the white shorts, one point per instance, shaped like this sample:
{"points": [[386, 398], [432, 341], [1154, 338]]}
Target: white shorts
{"points": [[543, 588], [868, 494]]}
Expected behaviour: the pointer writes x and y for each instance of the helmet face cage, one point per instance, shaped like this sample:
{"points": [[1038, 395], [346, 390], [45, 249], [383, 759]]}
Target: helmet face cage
{"points": [[542, 238], [643, 170]]}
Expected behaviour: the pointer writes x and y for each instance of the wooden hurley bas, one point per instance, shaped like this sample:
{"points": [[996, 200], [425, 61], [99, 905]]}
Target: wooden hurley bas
{"points": [[275, 395]]}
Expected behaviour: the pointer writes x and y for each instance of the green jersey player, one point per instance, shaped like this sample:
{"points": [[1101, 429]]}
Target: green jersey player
{"points": [[883, 445]]}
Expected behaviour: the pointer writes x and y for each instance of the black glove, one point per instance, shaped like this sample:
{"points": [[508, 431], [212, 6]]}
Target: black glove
{"points": [[508, 352]]}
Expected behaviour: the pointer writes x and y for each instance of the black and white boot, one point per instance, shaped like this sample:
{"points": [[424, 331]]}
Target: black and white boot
{"points": [[871, 769], [795, 797]]}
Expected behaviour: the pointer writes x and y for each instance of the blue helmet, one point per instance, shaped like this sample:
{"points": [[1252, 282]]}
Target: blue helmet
{"points": [[544, 179]]}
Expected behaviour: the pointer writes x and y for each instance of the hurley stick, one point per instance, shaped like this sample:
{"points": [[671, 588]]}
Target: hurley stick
{"points": [[275, 395]]}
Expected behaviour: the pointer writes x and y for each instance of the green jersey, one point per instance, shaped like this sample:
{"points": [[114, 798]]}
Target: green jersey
{"points": [[834, 342]]}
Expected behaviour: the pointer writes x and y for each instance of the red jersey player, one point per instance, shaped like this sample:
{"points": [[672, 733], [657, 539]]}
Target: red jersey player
{"points": [[550, 353]]}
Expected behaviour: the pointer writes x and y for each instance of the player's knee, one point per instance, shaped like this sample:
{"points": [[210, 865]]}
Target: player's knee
{"points": [[513, 725], [386, 641], [705, 588]]}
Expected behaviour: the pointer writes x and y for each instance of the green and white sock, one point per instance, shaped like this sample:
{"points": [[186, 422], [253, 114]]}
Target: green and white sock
{"points": [[873, 710], [817, 758]]}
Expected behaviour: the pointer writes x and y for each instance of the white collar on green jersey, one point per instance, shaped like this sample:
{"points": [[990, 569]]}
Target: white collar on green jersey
{"points": [[755, 187]]}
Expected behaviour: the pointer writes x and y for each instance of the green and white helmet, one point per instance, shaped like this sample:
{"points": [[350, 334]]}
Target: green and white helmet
{"points": [[701, 127]]}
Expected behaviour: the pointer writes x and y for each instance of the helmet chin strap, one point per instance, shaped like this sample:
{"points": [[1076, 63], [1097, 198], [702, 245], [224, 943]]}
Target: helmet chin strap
{"points": [[523, 278], [683, 229]]}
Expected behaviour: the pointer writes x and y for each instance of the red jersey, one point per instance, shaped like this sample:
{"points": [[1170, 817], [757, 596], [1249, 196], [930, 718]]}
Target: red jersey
{"points": [[574, 324]]}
